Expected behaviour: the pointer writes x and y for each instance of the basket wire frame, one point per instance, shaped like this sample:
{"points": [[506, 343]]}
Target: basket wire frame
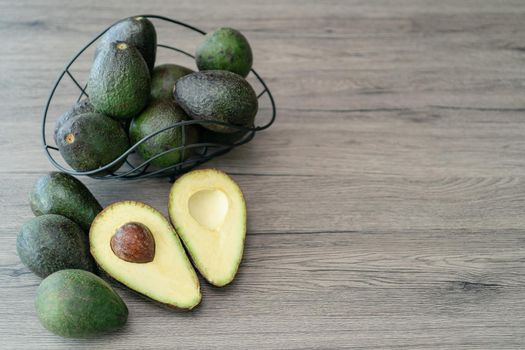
{"points": [[204, 151]]}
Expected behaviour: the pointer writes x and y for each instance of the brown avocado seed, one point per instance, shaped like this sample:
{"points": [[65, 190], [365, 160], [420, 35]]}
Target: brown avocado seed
{"points": [[133, 242]]}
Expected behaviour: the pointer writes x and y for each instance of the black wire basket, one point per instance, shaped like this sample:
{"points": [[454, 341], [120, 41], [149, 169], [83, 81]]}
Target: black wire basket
{"points": [[138, 168]]}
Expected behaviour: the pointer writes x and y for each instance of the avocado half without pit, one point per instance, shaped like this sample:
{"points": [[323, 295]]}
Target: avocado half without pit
{"points": [[208, 211], [136, 245]]}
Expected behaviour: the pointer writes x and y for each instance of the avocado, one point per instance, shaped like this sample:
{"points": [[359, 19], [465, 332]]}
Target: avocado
{"points": [[208, 136], [164, 78], [217, 96], [208, 211], [91, 141], [157, 116], [136, 31], [50, 243], [78, 304], [81, 107], [225, 49], [62, 194], [134, 244], [119, 81]]}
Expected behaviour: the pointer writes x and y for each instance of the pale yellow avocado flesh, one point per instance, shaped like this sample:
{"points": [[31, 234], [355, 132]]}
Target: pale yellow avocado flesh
{"points": [[208, 211], [169, 278]]}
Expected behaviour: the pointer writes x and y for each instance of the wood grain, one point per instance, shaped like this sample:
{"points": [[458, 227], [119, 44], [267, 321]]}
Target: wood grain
{"points": [[385, 205]]}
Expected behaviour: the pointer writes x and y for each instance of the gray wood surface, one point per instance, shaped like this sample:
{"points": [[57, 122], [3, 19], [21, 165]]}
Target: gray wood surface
{"points": [[385, 205]]}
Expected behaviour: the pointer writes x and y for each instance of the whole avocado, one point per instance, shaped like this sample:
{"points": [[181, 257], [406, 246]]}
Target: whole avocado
{"points": [[217, 96], [158, 115], [62, 194], [225, 49], [119, 81], [81, 107], [78, 304], [137, 31], [164, 78], [91, 141], [50, 243]]}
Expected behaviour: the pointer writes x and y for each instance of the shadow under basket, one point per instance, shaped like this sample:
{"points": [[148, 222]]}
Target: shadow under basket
{"points": [[135, 168]]}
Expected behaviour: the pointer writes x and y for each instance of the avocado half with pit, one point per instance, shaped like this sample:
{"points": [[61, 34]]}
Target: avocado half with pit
{"points": [[208, 211], [136, 245]]}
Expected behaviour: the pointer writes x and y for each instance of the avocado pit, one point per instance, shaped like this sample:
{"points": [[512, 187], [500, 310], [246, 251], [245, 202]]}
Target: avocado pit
{"points": [[133, 242]]}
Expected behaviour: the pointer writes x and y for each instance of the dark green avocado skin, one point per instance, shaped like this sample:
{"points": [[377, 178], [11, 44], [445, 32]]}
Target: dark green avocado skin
{"points": [[157, 116], [97, 140], [119, 81], [50, 243], [208, 136], [62, 194], [217, 96], [164, 78], [81, 107], [78, 304], [225, 49], [137, 31]]}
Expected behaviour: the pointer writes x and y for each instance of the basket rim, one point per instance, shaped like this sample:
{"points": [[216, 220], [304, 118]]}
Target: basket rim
{"points": [[140, 171]]}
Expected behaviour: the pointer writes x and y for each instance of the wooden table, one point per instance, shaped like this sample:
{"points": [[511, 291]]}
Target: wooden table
{"points": [[386, 204]]}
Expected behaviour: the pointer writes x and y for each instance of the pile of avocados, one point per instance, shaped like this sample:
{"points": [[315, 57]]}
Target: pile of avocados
{"points": [[129, 98], [72, 241]]}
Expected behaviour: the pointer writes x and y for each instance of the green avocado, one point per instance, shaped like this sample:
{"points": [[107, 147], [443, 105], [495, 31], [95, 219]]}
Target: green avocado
{"points": [[225, 49], [136, 31], [60, 193], [91, 141], [157, 116], [164, 78], [50, 243], [119, 81], [217, 96], [78, 304], [81, 107], [208, 136]]}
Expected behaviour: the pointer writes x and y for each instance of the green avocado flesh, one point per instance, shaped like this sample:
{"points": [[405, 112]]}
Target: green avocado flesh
{"points": [[164, 78], [78, 304], [136, 245], [81, 107], [91, 141], [60, 193], [137, 31], [225, 49], [50, 243], [157, 116], [208, 211], [119, 81], [217, 96]]}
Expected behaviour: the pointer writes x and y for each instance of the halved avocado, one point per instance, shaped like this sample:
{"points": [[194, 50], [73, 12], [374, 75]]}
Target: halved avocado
{"points": [[136, 245], [208, 211]]}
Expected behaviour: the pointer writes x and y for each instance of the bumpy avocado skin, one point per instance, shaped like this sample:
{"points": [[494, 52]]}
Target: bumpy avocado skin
{"points": [[137, 31], [119, 81], [50, 243], [91, 141], [225, 49], [62, 194], [208, 136], [218, 96], [164, 78], [81, 107], [157, 116], [78, 304]]}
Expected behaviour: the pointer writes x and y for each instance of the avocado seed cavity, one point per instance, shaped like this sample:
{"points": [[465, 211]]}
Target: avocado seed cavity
{"points": [[209, 208]]}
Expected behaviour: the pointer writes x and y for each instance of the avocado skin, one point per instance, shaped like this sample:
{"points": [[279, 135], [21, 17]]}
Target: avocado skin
{"points": [[50, 243], [62, 194], [164, 78], [98, 140], [157, 116], [225, 49], [208, 136], [119, 81], [217, 95], [137, 31], [81, 107], [78, 304]]}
